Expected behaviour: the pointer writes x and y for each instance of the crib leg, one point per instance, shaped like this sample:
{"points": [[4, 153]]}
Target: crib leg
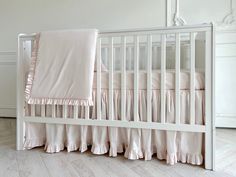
{"points": [[209, 102], [209, 161], [20, 134], [20, 96]]}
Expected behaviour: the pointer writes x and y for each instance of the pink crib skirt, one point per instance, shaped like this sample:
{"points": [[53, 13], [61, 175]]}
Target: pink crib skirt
{"points": [[173, 146]]}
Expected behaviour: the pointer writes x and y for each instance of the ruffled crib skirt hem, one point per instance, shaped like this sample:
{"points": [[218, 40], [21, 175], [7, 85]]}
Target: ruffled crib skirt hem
{"points": [[131, 154], [32, 143]]}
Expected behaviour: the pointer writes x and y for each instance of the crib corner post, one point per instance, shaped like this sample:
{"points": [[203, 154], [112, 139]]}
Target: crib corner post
{"points": [[20, 134], [20, 96], [210, 100]]}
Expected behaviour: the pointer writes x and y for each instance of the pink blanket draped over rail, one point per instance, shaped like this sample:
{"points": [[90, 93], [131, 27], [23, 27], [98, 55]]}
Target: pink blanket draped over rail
{"points": [[62, 68]]}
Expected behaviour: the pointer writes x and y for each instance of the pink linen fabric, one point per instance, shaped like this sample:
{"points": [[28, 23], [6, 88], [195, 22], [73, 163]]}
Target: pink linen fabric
{"points": [[61, 61], [134, 143], [156, 80]]}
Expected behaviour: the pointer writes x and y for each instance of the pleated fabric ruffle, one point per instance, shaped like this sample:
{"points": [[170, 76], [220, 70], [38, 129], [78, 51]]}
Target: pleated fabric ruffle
{"points": [[185, 147]]}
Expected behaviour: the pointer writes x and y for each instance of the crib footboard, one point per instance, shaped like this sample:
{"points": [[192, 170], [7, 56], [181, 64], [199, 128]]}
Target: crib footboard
{"points": [[123, 41]]}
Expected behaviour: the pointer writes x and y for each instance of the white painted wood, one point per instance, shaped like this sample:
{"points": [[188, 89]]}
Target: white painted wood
{"points": [[149, 78], [43, 110], [111, 60], [64, 111], [75, 112], [209, 156], [123, 79], [213, 100], [118, 123], [136, 77], [98, 79], [32, 110], [141, 31], [225, 121], [87, 112], [192, 78], [20, 96], [163, 77], [177, 78], [53, 110]]}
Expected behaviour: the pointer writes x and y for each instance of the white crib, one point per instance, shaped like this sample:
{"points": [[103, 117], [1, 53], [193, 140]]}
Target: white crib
{"points": [[162, 37]]}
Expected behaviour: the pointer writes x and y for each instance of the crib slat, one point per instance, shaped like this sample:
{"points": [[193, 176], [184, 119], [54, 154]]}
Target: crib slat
{"points": [[53, 111], [106, 56], [86, 112], [129, 57], [111, 78], [177, 78], [163, 77], [149, 79], [76, 112], [123, 78], [64, 111], [192, 79], [136, 77], [32, 110], [99, 79], [43, 110]]}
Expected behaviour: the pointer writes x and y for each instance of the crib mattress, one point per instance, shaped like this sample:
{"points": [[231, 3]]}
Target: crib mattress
{"points": [[156, 80]]}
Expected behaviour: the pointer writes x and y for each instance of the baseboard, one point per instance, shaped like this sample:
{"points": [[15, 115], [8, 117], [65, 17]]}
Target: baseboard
{"points": [[8, 60], [7, 112], [225, 121]]}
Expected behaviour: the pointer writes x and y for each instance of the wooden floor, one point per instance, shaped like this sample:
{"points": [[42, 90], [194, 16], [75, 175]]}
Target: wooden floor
{"points": [[37, 163]]}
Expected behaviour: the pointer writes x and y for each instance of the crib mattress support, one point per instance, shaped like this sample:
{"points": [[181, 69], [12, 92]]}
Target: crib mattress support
{"points": [[118, 123]]}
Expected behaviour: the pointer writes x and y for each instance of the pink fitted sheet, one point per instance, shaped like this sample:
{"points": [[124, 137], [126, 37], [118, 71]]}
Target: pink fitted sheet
{"points": [[156, 80]]}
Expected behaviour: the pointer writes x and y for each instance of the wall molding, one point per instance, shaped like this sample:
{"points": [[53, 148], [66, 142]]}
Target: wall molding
{"points": [[7, 106], [229, 18], [225, 121], [7, 112], [8, 57], [177, 19]]}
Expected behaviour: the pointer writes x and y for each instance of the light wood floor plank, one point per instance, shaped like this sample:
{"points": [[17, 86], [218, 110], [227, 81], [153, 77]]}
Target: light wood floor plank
{"points": [[8, 163], [58, 166], [30, 164]]}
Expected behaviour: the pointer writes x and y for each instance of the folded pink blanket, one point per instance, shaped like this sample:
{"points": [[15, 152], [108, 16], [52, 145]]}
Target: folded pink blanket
{"points": [[62, 68]]}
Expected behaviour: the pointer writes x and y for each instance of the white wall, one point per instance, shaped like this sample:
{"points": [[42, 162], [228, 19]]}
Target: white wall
{"points": [[26, 16], [36, 15]]}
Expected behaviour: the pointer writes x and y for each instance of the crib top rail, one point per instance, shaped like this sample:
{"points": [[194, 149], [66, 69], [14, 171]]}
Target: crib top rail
{"points": [[141, 31]]}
